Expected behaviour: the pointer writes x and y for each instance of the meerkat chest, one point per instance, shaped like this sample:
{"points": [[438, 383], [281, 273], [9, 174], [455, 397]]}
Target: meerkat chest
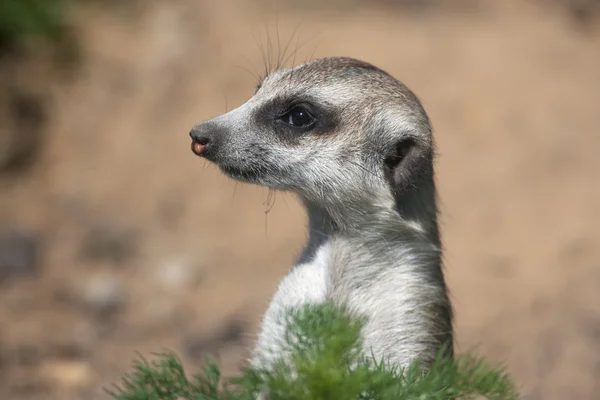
{"points": [[306, 282]]}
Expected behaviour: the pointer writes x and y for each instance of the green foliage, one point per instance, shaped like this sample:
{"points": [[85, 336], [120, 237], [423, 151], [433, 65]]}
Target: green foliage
{"points": [[23, 18], [325, 365]]}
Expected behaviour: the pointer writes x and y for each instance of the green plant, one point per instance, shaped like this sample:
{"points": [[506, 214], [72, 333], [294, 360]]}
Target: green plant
{"points": [[325, 364], [26, 18]]}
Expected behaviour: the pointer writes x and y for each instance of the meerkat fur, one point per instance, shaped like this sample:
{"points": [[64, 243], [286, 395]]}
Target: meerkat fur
{"points": [[355, 145]]}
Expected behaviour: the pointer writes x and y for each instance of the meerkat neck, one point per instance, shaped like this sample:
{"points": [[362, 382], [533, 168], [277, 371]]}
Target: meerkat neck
{"points": [[418, 207], [413, 217], [386, 265], [320, 229]]}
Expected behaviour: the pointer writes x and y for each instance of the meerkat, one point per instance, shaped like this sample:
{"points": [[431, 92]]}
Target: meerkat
{"points": [[355, 145]]}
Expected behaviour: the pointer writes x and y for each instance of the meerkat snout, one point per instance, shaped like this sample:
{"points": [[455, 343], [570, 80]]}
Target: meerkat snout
{"points": [[356, 146]]}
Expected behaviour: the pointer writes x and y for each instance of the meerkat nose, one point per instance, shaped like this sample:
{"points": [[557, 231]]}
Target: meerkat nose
{"points": [[200, 141], [198, 147], [207, 139]]}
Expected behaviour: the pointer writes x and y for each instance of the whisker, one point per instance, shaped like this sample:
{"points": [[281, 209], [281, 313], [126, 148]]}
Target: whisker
{"points": [[284, 57], [278, 40], [363, 168], [263, 56], [234, 191]]}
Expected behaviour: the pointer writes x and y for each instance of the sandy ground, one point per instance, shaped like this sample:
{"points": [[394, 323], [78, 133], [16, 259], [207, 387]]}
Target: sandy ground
{"points": [[143, 247]]}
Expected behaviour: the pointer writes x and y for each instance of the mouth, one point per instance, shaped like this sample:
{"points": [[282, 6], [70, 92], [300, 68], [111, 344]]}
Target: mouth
{"points": [[251, 175]]}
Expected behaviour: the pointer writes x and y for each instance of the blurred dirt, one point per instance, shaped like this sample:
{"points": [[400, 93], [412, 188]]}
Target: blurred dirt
{"points": [[130, 243]]}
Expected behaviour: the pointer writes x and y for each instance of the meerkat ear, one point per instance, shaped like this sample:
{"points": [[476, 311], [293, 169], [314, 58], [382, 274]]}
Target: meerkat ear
{"points": [[406, 163]]}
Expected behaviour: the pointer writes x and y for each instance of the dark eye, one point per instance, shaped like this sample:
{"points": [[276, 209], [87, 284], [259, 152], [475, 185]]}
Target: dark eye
{"points": [[298, 117]]}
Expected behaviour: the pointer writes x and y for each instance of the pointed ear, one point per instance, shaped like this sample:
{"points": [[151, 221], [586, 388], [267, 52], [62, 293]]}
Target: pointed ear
{"points": [[407, 162]]}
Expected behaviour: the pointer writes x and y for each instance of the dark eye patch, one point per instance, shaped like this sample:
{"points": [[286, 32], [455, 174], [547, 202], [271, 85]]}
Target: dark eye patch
{"points": [[293, 116]]}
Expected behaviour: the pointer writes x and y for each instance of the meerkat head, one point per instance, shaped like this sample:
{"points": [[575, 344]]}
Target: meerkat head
{"points": [[336, 131]]}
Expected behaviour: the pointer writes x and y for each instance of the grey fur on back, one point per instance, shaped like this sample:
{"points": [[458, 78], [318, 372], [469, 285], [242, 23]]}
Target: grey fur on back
{"points": [[364, 171]]}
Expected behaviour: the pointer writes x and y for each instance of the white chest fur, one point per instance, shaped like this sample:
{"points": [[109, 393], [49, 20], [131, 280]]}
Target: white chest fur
{"points": [[397, 286], [306, 283]]}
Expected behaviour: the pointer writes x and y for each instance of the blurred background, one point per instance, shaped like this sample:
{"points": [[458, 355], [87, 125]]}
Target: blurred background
{"points": [[115, 239]]}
